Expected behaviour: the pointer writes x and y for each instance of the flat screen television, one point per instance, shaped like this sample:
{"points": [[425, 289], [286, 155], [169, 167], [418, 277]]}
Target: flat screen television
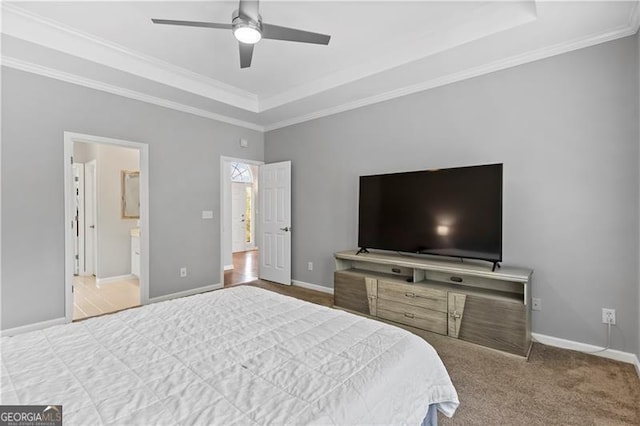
{"points": [[454, 212]]}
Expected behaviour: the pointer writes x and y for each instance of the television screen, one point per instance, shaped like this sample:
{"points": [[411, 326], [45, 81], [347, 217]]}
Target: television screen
{"points": [[453, 212]]}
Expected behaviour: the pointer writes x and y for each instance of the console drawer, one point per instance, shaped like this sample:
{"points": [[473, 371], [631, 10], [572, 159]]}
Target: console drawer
{"points": [[414, 316], [413, 294]]}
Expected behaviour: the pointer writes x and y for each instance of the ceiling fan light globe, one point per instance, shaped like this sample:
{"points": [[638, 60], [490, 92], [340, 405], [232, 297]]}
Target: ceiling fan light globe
{"points": [[247, 35]]}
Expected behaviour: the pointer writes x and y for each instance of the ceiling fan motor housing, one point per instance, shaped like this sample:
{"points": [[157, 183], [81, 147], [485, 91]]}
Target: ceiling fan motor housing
{"points": [[243, 21]]}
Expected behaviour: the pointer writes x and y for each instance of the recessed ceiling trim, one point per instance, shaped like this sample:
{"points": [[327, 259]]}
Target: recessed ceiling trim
{"points": [[482, 21], [23, 23], [120, 91], [36, 29], [494, 66]]}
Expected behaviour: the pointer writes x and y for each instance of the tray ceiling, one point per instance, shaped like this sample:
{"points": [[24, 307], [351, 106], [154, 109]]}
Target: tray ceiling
{"points": [[378, 50]]}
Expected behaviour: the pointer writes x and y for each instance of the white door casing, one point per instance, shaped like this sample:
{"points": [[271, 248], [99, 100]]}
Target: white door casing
{"points": [[78, 223], [69, 139], [275, 221], [91, 219]]}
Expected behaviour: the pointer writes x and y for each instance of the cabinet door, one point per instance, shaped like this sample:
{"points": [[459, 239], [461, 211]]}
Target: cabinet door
{"points": [[135, 256], [456, 311], [498, 324], [350, 291]]}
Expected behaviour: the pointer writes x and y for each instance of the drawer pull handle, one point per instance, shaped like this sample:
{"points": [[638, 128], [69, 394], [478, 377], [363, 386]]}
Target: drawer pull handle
{"points": [[408, 294], [408, 315], [456, 279]]}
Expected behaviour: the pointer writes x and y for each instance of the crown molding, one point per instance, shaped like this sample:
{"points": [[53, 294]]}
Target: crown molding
{"points": [[33, 28], [37, 29], [494, 66], [120, 91], [634, 17], [481, 21], [42, 31]]}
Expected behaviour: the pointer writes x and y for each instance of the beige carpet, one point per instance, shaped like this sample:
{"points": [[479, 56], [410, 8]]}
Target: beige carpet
{"points": [[555, 387]]}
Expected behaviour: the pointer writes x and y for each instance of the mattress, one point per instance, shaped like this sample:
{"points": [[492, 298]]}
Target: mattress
{"points": [[242, 355]]}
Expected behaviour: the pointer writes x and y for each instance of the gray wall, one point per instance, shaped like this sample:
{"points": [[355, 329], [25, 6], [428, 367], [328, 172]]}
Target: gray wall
{"points": [[638, 56], [184, 162], [566, 129]]}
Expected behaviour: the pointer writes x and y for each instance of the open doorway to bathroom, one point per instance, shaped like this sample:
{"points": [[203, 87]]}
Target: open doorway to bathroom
{"points": [[239, 212], [107, 192]]}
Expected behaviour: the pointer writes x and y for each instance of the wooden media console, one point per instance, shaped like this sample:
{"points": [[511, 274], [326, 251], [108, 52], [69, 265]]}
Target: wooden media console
{"points": [[463, 300]]}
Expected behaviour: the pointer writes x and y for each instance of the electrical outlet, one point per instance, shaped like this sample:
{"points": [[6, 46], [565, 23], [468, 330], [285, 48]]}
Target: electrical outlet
{"points": [[608, 316], [183, 272], [310, 266], [536, 304]]}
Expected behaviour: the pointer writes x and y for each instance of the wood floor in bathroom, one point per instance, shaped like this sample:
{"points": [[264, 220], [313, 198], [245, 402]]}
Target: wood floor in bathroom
{"points": [[91, 299]]}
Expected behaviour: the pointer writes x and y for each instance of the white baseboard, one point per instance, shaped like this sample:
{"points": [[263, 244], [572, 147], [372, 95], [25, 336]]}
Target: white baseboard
{"points": [[185, 293], [584, 347], [228, 267], [32, 327], [310, 286], [107, 280]]}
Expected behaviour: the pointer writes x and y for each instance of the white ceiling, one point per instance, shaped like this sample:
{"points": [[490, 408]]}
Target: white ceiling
{"points": [[378, 50]]}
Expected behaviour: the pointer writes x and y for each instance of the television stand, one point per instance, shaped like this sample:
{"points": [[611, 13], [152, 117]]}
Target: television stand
{"points": [[468, 301], [362, 250]]}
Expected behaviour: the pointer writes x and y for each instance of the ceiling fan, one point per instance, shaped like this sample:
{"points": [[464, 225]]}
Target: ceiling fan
{"points": [[248, 28]]}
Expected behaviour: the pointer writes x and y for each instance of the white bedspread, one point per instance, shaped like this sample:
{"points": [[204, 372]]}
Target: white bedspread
{"points": [[238, 356]]}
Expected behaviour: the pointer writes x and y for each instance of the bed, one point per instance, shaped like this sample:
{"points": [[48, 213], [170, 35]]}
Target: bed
{"points": [[242, 355]]}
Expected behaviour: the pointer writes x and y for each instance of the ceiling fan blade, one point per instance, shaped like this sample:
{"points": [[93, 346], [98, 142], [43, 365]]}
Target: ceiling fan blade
{"points": [[275, 32], [249, 8], [246, 53], [193, 24]]}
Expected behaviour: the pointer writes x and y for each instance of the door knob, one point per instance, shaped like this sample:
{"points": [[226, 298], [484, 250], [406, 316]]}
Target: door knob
{"points": [[92, 226], [285, 229]]}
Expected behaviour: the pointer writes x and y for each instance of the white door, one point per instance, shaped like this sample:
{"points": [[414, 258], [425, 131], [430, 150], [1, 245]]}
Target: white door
{"points": [[275, 222], [238, 216], [78, 220], [90, 214]]}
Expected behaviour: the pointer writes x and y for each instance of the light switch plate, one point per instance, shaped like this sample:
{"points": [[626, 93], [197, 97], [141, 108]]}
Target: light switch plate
{"points": [[207, 214]]}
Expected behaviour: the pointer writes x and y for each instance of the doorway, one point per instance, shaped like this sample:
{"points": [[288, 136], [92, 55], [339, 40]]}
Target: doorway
{"points": [[99, 268], [242, 216], [239, 196], [268, 256]]}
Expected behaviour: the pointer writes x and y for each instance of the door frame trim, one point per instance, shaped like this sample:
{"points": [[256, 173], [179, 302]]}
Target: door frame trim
{"points": [[223, 180], [80, 222], [69, 139], [94, 217]]}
